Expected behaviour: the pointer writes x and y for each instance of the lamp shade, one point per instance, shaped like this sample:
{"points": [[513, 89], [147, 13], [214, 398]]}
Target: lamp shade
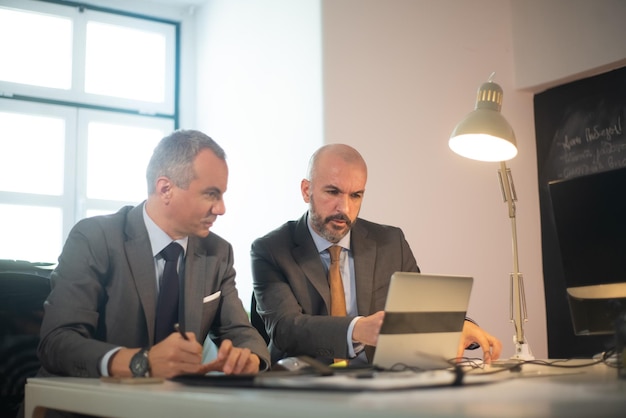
{"points": [[484, 134]]}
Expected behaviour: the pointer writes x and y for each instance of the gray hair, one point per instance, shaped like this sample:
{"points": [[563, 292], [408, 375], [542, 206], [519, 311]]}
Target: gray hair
{"points": [[173, 157]]}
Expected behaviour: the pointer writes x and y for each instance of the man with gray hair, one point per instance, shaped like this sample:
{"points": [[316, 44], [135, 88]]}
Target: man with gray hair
{"points": [[109, 289]]}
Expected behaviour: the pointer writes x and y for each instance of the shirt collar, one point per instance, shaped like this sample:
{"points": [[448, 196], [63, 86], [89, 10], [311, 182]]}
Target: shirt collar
{"points": [[158, 238]]}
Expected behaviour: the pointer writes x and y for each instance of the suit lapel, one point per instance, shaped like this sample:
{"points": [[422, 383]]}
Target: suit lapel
{"points": [[197, 265], [306, 255], [141, 262], [364, 252]]}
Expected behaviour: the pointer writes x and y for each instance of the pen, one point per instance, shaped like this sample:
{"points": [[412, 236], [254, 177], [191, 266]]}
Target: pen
{"points": [[180, 331]]}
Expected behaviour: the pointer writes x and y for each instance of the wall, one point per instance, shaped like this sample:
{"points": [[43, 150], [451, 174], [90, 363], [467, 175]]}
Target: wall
{"points": [[558, 41], [398, 76], [259, 90]]}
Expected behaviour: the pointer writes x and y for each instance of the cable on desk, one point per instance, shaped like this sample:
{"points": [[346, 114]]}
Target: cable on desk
{"points": [[476, 363]]}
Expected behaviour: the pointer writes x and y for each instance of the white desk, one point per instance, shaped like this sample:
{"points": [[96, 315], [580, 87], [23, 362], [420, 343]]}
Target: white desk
{"points": [[592, 392]]}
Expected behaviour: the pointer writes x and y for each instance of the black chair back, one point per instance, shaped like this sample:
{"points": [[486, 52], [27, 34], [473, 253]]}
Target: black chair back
{"points": [[23, 289], [256, 320]]}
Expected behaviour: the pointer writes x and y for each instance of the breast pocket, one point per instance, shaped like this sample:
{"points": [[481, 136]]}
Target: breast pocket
{"points": [[212, 297], [210, 305]]}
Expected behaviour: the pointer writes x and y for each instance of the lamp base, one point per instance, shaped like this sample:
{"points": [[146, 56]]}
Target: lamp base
{"points": [[522, 351], [522, 354]]}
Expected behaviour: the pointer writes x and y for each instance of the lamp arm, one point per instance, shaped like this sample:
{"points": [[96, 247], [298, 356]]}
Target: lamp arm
{"points": [[518, 299]]}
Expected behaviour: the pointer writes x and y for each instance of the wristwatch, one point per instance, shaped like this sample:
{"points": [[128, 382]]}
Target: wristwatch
{"points": [[139, 364]]}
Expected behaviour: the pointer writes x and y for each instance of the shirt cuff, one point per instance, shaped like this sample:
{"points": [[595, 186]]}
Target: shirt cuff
{"points": [[354, 348], [104, 363]]}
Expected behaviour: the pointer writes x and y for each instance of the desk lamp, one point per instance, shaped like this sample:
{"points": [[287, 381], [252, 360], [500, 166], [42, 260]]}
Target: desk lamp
{"points": [[485, 135]]}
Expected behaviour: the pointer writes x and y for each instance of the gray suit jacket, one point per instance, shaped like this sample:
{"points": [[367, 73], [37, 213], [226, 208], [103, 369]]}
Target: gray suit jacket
{"points": [[292, 289], [104, 295]]}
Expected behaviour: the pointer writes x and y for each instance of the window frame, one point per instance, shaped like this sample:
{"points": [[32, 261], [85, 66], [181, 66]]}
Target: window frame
{"points": [[79, 109], [80, 13]]}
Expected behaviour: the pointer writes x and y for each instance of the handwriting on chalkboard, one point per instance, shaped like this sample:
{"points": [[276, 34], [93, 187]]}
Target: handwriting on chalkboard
{"points": [[595, 133], [589, 143]]}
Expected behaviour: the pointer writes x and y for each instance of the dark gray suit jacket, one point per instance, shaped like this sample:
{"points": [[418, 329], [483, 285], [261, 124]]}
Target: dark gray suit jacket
{"points": [[104, 295], [292, 291]]}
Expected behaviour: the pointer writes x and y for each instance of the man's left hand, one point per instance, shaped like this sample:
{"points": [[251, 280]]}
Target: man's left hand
{"points": [[490, 345], [234, 360]]}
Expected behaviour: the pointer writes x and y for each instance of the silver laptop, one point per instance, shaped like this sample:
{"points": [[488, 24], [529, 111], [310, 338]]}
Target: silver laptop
{"points": [[424, 317]]}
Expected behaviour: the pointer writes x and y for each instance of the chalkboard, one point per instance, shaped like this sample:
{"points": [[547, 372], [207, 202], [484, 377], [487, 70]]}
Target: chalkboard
{"points": [[579, 130]]}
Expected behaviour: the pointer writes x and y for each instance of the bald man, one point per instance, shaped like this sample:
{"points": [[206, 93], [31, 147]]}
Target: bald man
{"points": [[290, 269]]}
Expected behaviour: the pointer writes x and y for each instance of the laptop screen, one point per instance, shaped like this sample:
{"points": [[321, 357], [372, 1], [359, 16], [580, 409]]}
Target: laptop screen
{"points": [[424, 317]]}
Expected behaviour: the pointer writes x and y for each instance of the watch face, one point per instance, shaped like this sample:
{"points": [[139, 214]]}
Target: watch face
{"points": [[139, 364]]}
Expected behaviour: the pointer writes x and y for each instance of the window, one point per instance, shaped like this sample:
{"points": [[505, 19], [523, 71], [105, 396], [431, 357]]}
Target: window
{"points": [[52, 52], [85, 95]]}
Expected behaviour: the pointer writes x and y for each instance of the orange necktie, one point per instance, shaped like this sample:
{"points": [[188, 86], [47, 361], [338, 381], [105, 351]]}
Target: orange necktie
{"points": [[337, 295]]}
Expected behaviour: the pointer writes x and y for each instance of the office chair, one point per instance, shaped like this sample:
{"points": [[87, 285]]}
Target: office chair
{"points": [[23, 289], [256, 321]]}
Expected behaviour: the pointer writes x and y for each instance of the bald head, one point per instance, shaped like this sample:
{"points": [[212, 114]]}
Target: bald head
{"points": [[334, 152]]}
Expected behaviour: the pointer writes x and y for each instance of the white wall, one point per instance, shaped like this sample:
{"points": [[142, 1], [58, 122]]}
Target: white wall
{"points": [[558, 41], [399, 75], [259, 89]]}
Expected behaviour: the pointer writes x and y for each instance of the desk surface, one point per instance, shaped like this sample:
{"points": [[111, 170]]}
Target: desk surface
{"points": [[536, 392]]}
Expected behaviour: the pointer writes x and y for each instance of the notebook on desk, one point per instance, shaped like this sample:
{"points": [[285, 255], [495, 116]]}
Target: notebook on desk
{"points": [[424, 317]]}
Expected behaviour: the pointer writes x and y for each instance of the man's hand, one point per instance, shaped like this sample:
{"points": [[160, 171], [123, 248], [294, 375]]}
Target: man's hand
{"points": [[175, 355], [490, 345], [366, 329], [172, 356], [233, 360]]}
